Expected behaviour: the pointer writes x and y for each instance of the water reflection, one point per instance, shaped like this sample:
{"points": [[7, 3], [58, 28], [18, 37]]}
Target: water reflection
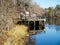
{"points": [[50, 37], [55, 27], [53, 20], [31, 41]]}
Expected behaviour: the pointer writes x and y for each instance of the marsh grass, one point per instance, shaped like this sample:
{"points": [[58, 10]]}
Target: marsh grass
{"points": [[15, 36]]}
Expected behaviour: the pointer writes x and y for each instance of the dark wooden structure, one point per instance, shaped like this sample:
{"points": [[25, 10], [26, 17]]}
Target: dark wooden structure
{"points": [[34, 25]]}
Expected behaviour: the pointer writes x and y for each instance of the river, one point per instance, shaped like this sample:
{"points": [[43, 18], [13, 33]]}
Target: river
{"points": [[50, 37]]}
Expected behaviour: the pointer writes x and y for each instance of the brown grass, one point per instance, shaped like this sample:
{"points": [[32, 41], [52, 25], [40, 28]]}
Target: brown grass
{"points": [[15, 36]]}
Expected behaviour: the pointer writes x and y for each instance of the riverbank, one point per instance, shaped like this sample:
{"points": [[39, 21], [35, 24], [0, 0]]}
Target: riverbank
{"points": [[15, 36]]}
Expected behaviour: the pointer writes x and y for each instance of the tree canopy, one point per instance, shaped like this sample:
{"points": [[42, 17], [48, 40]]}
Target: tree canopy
{"points": [[57, 7]]}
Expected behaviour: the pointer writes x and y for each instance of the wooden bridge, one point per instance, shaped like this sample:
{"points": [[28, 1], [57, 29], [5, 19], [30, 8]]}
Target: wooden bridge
{"points": [[35, 25]]}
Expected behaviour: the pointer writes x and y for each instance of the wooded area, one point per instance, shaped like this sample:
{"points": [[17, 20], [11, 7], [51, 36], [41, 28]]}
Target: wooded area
{"points": [[10, 11]]}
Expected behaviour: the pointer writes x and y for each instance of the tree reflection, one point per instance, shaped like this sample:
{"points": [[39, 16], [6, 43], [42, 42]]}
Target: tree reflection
{"points": [[53, 21], [31, 41], [55, 27]]}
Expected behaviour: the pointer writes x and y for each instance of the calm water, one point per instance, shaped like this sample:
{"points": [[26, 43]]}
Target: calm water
{"points": [[50, 37]]}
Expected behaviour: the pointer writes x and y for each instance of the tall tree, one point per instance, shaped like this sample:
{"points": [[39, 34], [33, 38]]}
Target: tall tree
{"points": [[57, 7]]}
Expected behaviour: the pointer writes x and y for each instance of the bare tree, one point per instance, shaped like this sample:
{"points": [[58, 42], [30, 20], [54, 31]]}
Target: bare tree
{"points": [[10, 11]]}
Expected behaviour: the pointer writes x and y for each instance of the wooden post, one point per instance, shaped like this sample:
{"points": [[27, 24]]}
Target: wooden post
{"points": [[39, 25]]}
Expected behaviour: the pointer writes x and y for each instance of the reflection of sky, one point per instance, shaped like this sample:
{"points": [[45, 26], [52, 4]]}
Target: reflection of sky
{"points": [[47, 3], [51, 37]]}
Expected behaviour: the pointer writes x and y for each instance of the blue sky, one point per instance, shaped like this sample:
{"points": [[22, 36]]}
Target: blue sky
{"points": [[47, 3]]}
